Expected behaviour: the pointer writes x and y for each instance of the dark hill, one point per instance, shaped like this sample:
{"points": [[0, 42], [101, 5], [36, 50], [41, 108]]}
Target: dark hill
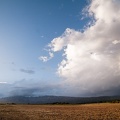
{"points": [[58, 100]]}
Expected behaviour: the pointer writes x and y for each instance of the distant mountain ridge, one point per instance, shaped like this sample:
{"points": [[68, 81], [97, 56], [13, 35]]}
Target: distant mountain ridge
{"points": [[58, 99]]}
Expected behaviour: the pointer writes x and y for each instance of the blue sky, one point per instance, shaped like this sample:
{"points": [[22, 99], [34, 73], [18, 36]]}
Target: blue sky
{"points": [[26, 27], [47, 48]]}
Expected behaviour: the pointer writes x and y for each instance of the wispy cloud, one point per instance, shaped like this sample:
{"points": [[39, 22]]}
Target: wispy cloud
{"points": [[28, 71], [3, 82], [46, 58], [42, 36], [73, 0]]}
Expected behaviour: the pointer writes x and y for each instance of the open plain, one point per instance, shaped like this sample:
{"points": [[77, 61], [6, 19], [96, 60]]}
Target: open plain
{"points": [[103, 111]]}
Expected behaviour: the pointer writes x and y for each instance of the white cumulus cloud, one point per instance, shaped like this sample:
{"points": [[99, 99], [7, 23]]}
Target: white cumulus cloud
{"points": [[91, 64]]}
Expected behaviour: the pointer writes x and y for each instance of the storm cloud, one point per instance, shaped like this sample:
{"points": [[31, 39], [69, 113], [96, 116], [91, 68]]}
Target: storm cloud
{"points": [[29, 87], [32, 88]]}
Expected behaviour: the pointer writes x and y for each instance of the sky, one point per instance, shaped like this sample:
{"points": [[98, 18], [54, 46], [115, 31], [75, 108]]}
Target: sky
{"points": [[59, 47]]}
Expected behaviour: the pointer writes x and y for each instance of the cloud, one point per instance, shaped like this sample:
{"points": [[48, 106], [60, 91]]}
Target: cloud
{"points": [[27, 71], [33, 91], [42, 36], [3, 82], [29, 87], [116, 42], [5, 89], [33, 88], [91, 64], [46, 58]]}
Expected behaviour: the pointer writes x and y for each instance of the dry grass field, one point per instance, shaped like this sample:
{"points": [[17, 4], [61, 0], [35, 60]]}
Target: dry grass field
{"points": [[105, 111]]}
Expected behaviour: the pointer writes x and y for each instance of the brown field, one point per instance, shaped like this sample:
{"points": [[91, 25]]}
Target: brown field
{"points": [[105, 111]]}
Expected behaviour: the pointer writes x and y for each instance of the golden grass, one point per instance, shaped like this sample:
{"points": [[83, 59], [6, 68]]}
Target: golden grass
{"points": [[105, 111]]}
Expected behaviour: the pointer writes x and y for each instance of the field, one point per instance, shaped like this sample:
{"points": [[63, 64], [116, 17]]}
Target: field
{"points": [[105, 111]]}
